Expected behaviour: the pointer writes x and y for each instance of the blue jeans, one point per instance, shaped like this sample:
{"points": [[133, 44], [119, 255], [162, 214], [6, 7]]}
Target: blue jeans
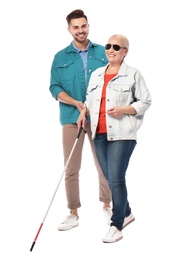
{"points": [[113, 157]]}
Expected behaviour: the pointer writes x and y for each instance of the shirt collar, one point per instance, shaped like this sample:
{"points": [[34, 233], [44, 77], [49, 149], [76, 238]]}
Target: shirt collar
{"points": [[81, 50]]}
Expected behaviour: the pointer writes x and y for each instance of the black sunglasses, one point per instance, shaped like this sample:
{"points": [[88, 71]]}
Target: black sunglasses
{"points": [[116, 47]]}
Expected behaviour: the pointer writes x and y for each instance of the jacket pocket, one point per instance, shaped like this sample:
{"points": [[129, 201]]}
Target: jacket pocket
{"points": [[66, 70], [121, 95], [64, 64]]}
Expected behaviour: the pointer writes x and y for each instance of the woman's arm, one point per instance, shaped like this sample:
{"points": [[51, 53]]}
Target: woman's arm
{"points": [[81, 121]]}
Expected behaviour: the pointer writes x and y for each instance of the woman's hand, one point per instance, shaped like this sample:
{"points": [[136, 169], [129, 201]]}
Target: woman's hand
{"points": [[117, 112], [81, 121]]}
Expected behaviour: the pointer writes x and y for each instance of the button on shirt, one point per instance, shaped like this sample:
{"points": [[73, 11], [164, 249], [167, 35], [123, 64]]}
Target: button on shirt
{"points": [[83, 55]]}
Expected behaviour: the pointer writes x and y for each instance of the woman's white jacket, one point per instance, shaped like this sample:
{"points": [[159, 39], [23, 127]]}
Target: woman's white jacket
{"points": [[128, 87]]}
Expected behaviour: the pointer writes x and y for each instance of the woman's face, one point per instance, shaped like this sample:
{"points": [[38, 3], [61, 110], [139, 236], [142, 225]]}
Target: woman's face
{"points": [[115, 50]]}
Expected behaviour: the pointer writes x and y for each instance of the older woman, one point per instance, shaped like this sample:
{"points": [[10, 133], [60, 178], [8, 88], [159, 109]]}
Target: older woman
{"points": [[117, 99]]}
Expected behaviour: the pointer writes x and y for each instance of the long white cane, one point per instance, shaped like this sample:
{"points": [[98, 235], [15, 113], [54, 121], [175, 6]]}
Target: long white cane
{"points": [[72, 150]]}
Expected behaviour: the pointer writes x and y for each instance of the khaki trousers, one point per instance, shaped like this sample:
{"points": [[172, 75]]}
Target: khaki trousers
{"points": [[69, 134]]}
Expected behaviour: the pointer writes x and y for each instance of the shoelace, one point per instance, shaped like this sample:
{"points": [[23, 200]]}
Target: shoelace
{"points": [[111, 231], [69, 218], [108, 213]]}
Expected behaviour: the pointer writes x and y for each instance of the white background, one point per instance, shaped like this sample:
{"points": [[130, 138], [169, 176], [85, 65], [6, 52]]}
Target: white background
{"points": [[30, 134]]}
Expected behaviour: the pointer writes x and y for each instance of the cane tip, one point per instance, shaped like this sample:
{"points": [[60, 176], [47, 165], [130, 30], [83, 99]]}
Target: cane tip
{"points": [[32, 246]]}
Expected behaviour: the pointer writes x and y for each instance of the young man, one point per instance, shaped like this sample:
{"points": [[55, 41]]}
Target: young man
{"points": [[70, 73]]}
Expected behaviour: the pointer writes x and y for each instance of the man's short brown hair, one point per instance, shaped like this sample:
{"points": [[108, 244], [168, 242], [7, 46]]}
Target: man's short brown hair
{"points": [[78, 13]]}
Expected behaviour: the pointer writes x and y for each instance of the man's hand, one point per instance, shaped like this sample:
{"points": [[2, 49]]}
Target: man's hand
{"points": [[80, 106]]}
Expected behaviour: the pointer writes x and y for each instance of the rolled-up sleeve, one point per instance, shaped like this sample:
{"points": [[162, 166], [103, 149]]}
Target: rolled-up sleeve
{"points": [[142, 95]]}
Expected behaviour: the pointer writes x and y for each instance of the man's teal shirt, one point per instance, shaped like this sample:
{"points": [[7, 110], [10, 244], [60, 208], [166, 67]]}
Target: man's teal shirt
{"points": [[67, 74]]}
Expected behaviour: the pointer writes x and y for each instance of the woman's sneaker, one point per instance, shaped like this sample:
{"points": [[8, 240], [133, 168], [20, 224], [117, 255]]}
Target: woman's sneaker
{"points": [[128, 220], [113, 235], [70, 222]]}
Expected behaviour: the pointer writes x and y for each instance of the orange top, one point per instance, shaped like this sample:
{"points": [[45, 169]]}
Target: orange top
{"points": [[101, 128]]}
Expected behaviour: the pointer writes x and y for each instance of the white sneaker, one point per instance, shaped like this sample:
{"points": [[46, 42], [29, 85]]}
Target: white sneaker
{"points": [[108, 214], [113, 235], [70, 222], [128, 220]]}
